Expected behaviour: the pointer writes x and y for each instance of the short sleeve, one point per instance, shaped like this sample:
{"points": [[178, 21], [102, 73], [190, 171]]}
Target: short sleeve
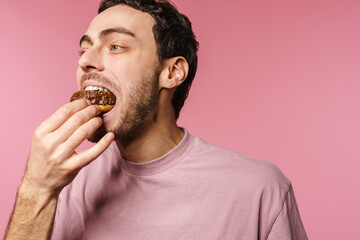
{"points": [[288, 224]]}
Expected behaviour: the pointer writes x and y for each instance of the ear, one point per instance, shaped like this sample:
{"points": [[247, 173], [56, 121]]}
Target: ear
{"points": [[174, 72]]}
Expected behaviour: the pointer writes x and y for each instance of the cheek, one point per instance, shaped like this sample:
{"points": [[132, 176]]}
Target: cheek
{"points": [[148, 59], [133, 65], [126, 72]]}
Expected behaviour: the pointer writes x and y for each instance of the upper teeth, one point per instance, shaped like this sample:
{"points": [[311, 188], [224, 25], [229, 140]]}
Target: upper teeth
{"points": [[96, 88]]}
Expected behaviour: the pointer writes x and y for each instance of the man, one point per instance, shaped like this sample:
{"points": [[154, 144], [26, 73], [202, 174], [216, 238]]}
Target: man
{"points": [[155, 181]]}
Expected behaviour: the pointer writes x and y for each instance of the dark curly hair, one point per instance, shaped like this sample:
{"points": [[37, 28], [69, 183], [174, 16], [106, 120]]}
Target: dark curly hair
{"points": [[173, 35]]}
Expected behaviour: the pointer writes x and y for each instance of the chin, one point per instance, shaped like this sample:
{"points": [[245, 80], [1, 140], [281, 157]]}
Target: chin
{"points": [[126, 129]]}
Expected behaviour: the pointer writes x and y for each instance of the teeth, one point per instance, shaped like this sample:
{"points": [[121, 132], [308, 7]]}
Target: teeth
{"points": [[96, 88]]}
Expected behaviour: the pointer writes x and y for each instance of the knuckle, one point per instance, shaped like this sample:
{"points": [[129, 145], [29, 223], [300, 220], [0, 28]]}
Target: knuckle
{"points": [[81, 132], [52, 162], [38, 133], [46, 147], [78, 118], [96, 108], [81, 163], [66, 109], [93, 109], [75, 139], [55, 159], [96, 121], [85, 101], [37, 136], [46, 144]]}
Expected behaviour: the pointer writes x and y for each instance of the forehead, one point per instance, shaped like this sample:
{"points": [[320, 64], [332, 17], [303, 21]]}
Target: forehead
{"points": [[138, 22]]}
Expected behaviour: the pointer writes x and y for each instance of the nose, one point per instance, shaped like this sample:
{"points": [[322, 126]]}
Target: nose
{"points": [[91, 60]]}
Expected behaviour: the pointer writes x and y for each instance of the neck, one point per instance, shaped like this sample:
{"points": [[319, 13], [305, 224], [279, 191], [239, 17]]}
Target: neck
{"points": [[156, 137]]}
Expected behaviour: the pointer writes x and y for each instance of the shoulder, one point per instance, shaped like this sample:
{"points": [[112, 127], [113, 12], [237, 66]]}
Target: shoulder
{"points": [[257, 173]]}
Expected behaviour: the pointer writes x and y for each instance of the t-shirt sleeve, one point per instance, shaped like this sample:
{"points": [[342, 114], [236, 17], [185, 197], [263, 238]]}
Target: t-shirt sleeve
{"points": [[288, 224]]}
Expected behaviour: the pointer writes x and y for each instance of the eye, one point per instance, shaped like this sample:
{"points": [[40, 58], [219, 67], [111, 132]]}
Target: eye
{"points": [[116, 47], [81, 52]]}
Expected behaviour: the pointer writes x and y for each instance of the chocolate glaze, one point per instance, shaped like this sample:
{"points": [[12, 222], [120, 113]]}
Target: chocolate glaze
{"points": [[96, 97]]}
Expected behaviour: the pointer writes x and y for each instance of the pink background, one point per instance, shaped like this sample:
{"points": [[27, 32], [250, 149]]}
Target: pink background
{"points": [[277, 80]]}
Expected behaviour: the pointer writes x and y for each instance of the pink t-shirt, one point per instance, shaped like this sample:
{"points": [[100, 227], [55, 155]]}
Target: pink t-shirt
{"points": [[196, 191]]}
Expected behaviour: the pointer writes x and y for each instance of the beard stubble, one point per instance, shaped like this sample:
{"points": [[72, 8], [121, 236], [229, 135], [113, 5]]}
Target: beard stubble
{"points": [[142, 103]]}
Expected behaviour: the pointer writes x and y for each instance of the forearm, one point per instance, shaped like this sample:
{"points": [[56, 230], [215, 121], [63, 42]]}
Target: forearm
{"points": [[33, 215]]}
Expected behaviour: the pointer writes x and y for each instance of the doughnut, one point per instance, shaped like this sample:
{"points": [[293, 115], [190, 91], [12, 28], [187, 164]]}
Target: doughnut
{"points": [[105, 100]]}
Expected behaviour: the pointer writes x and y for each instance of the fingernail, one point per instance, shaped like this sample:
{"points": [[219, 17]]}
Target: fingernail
{"points": [[110, 136], [88, 101]]}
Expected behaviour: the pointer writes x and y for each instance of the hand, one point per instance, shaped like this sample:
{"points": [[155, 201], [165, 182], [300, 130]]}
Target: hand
{"points": [[53, 162]]}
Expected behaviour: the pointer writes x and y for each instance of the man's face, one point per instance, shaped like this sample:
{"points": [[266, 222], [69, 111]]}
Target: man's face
{"points": [[119, 53]]}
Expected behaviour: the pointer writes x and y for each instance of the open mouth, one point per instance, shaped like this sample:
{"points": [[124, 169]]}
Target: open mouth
{"points": [[97, 95]]}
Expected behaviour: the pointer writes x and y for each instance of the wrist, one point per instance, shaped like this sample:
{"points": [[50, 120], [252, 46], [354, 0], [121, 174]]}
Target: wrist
{"points": [[30, 191]]}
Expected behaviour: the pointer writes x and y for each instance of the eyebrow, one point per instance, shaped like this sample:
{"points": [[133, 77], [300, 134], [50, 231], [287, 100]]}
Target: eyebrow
{"points": [[106, 32]]}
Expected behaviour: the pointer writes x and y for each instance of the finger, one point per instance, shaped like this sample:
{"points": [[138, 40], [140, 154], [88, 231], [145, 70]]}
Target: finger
{"points": [[81, 160], [75, 122], [82, 133], [61, 115]]}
